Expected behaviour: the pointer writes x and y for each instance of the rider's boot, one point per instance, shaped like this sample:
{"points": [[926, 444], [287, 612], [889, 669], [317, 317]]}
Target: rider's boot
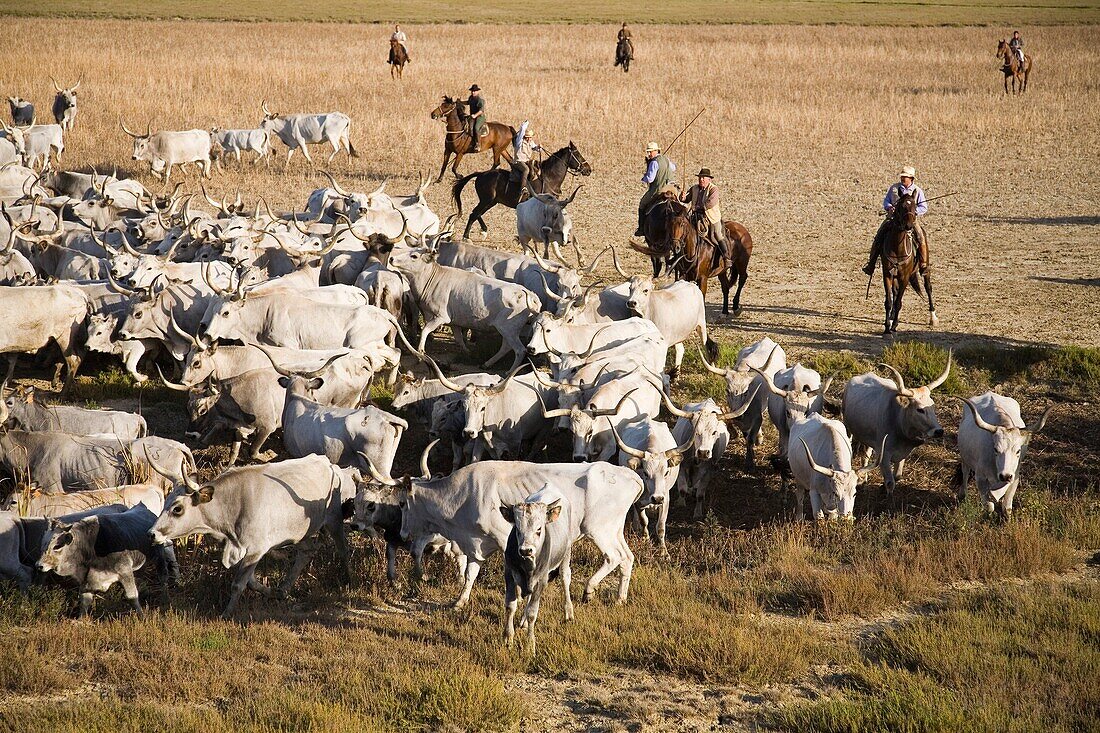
{"points": [[640, 232], [869, 268]]}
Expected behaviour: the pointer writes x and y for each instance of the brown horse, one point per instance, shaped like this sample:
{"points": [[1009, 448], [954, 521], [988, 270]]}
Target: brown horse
{"points": [[899, 264], [1013, 68], [498, 139], [624, 54], [398, 58], [696, 259]]}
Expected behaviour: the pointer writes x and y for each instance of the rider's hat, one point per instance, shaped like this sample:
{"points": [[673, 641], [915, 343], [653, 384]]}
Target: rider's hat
{"points": [[652, 147], [705, 173], [528, 133], [475, 88], [908, 172]]}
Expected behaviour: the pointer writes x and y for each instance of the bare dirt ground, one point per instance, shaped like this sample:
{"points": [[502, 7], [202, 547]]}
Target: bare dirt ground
{"points": [[804, 128]]}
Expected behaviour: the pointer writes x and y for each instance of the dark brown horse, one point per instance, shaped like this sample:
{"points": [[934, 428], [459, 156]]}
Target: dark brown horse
{"points": [[398, 58], [495, 186], [457, 143], [1013, 67], [899, 263], [696, 259], [624, 54]]}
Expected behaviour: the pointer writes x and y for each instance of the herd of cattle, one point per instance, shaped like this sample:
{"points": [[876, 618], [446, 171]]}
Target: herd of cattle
{"points": [[281, 323]]}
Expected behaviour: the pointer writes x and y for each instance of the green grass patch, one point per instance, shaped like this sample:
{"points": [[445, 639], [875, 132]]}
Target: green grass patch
{"points": [[1004, 659], [915, 12]]}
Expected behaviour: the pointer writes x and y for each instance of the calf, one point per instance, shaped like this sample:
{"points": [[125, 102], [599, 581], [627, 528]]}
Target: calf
{"points": [[234, 141], [100, 551], [22, 540], [22, 111], [882, 412], [538, 549], [993, 439]]}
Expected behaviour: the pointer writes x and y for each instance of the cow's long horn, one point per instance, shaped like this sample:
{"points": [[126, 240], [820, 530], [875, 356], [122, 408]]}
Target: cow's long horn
{"points": [[118, 286], [297, 225], [680, 449], [624, 447], [404, 230], [824, 388], [503, 384], [592, 343], [863, 473], [615, 262], [290, 373], [548, 265], [943, 377], [266, 111], [335, 186], [453, 386], [670, 404], [209, 200], [125, 129], [179, 329], [604, 412], [1040, 423], [375, 474], [377, 191], [425, 472], [543, 379], [899, 380], [595, 260], [710, 367], [171, 385], [770, 383], [55, 86], [813, 464], [547, 414], [238, 203], [78, 82], [988, 427], [549, 290], [734, 414], [566, 202]]}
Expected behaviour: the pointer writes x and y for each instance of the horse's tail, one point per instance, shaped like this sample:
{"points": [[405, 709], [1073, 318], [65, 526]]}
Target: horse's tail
{"points": [[914, 282], [456, 190]]}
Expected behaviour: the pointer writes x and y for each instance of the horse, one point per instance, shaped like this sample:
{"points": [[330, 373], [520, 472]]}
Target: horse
{"points": [[1013, 68], [624, 54], [494, 187], [696, 259], [899, 264], [457, 143], [398, 58], [655, 224]]}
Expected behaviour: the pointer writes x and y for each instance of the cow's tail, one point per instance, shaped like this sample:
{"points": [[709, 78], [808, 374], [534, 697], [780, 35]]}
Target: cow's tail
{"points": [[351, 148], [456, 190]]}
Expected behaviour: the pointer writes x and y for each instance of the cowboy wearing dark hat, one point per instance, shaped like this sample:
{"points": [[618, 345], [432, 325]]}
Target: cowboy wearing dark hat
{"points": [[476, 106], [705, 209]]}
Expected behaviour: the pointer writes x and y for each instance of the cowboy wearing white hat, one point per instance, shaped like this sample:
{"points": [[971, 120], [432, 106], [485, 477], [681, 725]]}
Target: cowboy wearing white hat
{"points": [[703, 200], [524, 148], [906, 185], [658, 173]]}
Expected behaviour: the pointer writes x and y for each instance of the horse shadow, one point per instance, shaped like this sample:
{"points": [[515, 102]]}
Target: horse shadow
{"points": [[1087, 281], [1090, 221]]}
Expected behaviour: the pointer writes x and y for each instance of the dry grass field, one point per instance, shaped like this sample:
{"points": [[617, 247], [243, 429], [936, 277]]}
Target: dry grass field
{"points": [[921, 615]]}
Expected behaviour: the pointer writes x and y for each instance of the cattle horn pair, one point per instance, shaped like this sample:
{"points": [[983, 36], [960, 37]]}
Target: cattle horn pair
{"points": [[730, 415], [291, 373], [670, 453], [900, 381], [70, 89], [861, 473], [128, 131], [990, 428]]}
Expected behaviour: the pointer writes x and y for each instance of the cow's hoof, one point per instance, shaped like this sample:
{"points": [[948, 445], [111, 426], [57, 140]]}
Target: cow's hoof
{"points": [[933, 320]]}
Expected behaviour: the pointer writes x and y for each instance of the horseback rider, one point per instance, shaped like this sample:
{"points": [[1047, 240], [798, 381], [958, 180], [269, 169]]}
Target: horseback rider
{"points": [[476, 108], [624, 35], [523, 160], [904, 186], [1016, 43], [402, 40], [706, 210], [658, 174]]}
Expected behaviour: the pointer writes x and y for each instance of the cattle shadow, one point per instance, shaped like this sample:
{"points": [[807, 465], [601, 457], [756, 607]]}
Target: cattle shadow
{"points": [[1050, 221], [103, 168], [1086, 281]]}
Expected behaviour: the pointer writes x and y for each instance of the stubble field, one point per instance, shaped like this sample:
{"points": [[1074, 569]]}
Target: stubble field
{"points": [[754, 621]]}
